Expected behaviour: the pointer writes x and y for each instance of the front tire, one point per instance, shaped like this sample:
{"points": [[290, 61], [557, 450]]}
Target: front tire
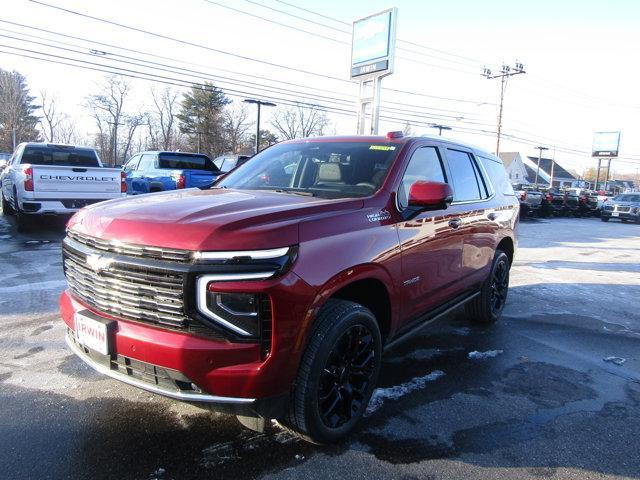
{"points": [[488, 305], [338, 373]]}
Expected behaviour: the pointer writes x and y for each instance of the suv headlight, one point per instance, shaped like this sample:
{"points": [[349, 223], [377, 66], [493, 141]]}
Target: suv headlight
{"points": [[239, 312]]}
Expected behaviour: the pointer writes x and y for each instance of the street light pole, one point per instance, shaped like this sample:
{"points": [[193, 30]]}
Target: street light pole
{"points": [[259, 103], [540, 158], [440, 128]]}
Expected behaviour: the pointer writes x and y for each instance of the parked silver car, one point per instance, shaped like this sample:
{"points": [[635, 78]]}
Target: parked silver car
{"points": [[625, 207]]}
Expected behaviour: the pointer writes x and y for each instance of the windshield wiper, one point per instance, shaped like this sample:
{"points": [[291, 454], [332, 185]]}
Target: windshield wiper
{"points": [[295, 192]]}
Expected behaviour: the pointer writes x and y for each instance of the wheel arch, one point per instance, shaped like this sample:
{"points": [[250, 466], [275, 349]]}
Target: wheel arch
{"points": [[369, 285], [508, 247]]}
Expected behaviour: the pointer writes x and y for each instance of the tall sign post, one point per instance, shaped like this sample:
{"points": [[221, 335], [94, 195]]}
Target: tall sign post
{"points": [[605, 145], [372, 57]]}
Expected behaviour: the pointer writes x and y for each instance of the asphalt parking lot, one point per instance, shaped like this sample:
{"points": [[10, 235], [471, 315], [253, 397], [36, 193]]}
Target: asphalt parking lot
{"points": [[551, 391]]}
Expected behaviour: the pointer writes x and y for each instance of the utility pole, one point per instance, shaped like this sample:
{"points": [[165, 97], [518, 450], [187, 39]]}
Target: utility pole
{"points": [[505, 72], [553, 166], [13, 137], [440, 128], [540, 158], [259, 103], [115, 141]]}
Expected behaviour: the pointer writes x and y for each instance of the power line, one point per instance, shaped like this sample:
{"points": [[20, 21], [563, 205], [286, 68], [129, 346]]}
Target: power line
{"points": [[218, 78], [243, 57]]}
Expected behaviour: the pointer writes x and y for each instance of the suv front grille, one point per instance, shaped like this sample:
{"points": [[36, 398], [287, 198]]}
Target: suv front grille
{"points": [[128, 291], [141, 251]]}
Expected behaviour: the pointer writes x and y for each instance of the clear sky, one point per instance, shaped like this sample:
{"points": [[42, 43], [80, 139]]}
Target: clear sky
{"points": [[582, 60]]}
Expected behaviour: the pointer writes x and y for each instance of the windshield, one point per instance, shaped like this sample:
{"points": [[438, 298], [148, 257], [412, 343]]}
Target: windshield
{"points": [[177, 161], [627, 198], [63, 156], [322, 169]]}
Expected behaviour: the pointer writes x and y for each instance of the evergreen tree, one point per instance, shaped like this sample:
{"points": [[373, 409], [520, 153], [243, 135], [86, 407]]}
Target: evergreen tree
{"points": [[16, 111], [201, 117]]}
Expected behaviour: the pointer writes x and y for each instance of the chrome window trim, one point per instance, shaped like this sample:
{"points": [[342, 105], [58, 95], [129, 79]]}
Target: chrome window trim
{"points": [[201, 294], [252, 254]]}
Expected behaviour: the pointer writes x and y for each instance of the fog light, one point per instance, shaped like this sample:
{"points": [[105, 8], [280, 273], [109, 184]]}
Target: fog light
{"points": [[238, 304]]}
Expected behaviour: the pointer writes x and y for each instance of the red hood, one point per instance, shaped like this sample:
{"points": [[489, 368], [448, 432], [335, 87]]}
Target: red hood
{"points": [[206, 219]]}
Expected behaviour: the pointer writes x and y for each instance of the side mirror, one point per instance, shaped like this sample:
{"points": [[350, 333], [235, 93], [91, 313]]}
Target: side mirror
{"points": [[425, 196]]}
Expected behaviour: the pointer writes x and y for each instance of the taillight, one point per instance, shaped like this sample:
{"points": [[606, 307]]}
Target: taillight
{"points": [[523, 196], [28, 181], [549, 198], [123, 182], [180, 182]]}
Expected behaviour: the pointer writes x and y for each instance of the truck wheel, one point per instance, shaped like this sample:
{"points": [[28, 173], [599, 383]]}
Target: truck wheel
{"points": [[338, 373], [488, 305], [7, 209], [604, 219], [22, 221]]}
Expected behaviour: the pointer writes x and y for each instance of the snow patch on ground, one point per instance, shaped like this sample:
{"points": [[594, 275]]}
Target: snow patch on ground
{"points": [[615, 360], [475, 355], [381, 395]]}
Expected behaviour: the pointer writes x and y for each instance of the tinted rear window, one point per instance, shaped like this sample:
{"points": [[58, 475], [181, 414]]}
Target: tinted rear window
{"points": [[177, 161], [50, 155], [627, 198]]}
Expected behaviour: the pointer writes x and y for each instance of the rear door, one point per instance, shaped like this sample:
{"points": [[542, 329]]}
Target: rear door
{"points": [[140, 176], [471, 201], [431, 243]]}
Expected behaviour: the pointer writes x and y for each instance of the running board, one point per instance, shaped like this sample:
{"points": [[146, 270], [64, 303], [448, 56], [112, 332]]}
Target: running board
{"points": [[429, 319]]}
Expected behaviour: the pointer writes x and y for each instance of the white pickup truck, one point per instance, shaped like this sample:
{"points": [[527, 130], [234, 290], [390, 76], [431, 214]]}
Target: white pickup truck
{"points": [[44, 178]]}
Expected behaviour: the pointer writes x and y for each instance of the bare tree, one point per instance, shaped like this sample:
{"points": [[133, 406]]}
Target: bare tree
{"points": [[236, 126], [300, 121], [51, 117], [107, 109], [131, 122], [162, 119]]}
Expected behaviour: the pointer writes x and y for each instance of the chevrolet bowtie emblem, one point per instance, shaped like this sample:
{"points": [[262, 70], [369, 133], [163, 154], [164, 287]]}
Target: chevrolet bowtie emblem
{"points": [[98, 263]]}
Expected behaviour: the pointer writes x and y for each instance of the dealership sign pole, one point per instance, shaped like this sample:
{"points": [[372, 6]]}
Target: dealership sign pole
{"points": [[372, 58], [605, 145]]}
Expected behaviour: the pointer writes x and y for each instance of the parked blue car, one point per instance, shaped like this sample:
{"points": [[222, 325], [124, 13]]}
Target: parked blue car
{"points": [[149, 172]]}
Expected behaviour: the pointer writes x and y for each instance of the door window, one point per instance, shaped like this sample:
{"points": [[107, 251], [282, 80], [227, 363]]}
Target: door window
{"points": [[464, 175], [424, 165], [147, 162], [132, 163]]}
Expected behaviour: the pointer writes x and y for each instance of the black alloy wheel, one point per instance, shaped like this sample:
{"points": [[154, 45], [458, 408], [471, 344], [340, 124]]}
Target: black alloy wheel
{"points": [[487, 305], [499, 287], [346, 377], [338, 373]]}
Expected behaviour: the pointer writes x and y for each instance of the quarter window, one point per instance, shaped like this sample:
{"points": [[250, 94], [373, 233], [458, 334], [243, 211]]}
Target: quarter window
{"points": [[464, 176], [424, 165]]}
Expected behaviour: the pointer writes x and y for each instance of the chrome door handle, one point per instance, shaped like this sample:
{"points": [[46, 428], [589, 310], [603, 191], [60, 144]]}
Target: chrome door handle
{"points": [[455, 223]]}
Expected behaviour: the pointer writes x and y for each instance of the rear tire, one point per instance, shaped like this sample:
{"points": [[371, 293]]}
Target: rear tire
{"points": [[488, 305], [338, 373], [7, 209], [23, 223]]}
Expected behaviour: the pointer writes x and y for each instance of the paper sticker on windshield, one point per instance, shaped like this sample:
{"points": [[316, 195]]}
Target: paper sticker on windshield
{"points": [[384, 148]]}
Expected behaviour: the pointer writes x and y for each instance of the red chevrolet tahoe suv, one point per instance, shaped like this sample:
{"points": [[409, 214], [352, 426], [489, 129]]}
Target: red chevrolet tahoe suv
{"points": [[273, 294]]}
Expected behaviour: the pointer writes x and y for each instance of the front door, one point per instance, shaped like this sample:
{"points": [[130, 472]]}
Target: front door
{"points": [[431, 243]]}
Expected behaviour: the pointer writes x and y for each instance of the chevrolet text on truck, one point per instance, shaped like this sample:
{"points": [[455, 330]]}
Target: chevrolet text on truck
{"points": [[273, 294], [45, 178]]}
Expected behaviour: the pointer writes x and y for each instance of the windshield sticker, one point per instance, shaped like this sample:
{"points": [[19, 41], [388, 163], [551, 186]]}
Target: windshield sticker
{"points": [[384, 148]]}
